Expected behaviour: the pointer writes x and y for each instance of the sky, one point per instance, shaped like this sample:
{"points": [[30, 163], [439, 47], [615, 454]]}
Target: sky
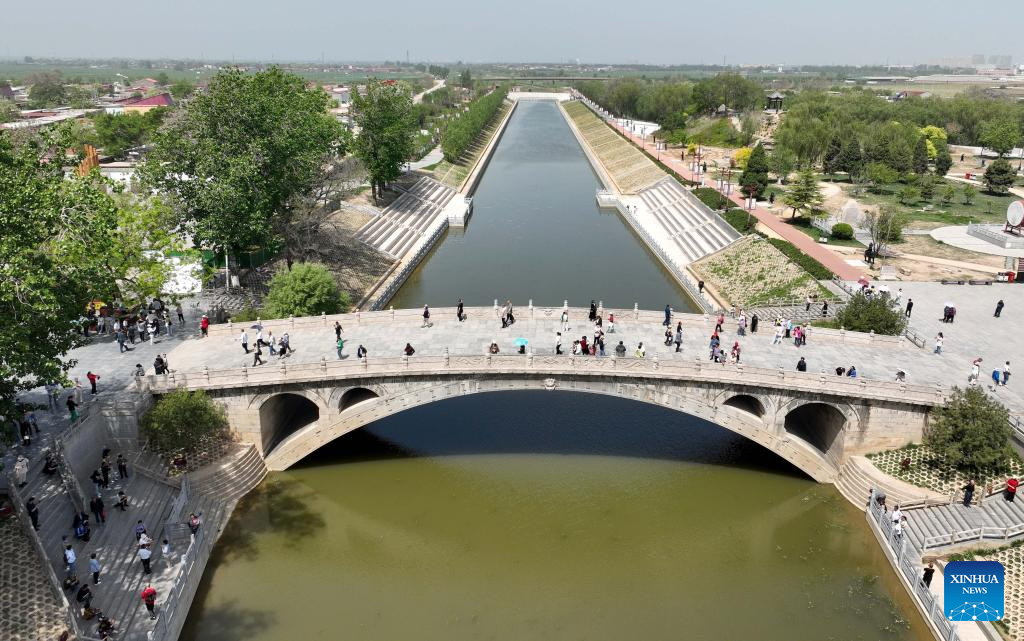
{"points": [[595, 31]]}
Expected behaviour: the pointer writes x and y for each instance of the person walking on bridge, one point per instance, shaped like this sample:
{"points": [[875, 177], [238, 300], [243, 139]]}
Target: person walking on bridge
{"points": [[257, 355], [149, 598], [593, 310], [244, 339], [426, 317], [801, 365], [558, 343], [999, 308], [459, 312], [341, 347], [668, 316], [337, 331]]}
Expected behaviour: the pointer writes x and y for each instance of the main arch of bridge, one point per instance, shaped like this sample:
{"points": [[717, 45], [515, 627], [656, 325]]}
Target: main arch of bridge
{"points": [[814, 432]]}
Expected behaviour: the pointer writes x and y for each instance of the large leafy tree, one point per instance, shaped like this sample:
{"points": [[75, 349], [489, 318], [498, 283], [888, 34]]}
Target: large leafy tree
{"points": [[231, 159], [1001, 135], [385, 138], [920, 158], [63, 241], [850, 159], [119, 133], [971, 432]]}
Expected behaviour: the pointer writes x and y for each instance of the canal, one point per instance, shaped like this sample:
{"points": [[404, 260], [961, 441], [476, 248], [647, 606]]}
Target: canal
{"points": [[538, 515], [532, 515], [537, 233]]}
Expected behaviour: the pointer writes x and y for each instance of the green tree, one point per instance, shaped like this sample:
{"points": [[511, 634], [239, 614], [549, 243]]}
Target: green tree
{"points": [[163, 79], [62, 244], [948, 193], [968, 193], [782, 162], [182, 420], [754, 179], [466, 79], [307, 289], [943, 161], [908, 194], [46, 90], [851, 160], [921, 156], [879, 174], [927, 186], [805, 194], [863, 314], [9, 111], [1001, 135], [971, 433], [235, 156], [119, 133], [999, 176], [182, 89], [385, 141], [833, 152]]}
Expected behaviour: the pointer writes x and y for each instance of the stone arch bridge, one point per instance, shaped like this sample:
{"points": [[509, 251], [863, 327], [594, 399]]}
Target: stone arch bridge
{"points": [[290, 408]]}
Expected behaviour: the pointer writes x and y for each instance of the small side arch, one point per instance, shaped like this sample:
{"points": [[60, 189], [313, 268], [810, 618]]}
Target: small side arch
{"points": [[748, 404], [354, 396]]}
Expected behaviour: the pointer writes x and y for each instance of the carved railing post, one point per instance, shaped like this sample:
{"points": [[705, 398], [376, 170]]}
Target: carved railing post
{"points": [[782, 373], [529, 357], [405, 360], [323, 319], [231, 325], [206, 373], [447, 358], [291, 321], [245, 373], [636, 311], [323, 364], [284, 369], [654, 360], [359, 317], [531, 309], [392, 312], [600, 308]]}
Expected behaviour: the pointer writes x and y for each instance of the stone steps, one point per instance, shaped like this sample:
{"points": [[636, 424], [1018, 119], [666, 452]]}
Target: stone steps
{"points": [[232, 479]]}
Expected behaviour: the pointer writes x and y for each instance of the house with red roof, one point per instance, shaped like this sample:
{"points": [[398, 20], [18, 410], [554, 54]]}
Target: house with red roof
{"points": [[142, 105]]}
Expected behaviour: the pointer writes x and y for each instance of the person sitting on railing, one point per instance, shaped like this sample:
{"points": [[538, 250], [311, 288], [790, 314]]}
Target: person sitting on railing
{"points": [[851, 372], [193, 523], [179, 461], [122, 500], [493, 348], [408, 351]]}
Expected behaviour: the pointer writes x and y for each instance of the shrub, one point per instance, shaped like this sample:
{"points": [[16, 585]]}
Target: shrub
{"points": [[842, 231], [971, 432], [863, 314], [307, 289], [811, 266], [711, 198], [181, 419], [740, 219]]}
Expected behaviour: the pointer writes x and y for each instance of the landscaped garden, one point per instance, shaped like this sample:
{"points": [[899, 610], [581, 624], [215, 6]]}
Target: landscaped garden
{"points": [[754, 272], [951, 202]]}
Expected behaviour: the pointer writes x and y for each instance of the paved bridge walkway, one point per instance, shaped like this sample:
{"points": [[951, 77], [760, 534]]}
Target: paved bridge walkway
{"points": [[385, 334]]}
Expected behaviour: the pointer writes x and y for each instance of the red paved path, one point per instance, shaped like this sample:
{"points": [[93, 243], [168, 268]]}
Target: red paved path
{"points": [[805, 243]]}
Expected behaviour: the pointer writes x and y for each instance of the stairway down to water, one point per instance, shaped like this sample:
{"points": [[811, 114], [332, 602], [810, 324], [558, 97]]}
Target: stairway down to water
{"points": [[403, 223], [693, 227]]}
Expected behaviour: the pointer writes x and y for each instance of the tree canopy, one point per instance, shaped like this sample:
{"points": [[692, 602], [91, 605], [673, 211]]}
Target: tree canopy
{"points": [[384, 118], [307, 289], [999, 176], [971, 432], [119, 133], [181, 420], [805, 194], [754, 179], [863, 314], [63, 242], [231, 159]]}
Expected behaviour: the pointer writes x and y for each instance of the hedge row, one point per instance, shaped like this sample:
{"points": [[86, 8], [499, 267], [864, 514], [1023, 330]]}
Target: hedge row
{"points": [[461, 132], [813, 267], [740, 219], [712, 198]]}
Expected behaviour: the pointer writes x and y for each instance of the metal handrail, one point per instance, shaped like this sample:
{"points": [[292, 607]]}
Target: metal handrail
{"points": [[907, 556]]}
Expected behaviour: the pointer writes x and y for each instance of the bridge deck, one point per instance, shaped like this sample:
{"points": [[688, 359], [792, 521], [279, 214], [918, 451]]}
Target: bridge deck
{"points": [[385, 335]]}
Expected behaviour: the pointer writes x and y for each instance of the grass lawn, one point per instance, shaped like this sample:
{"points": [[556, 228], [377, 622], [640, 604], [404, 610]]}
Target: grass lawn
{"points": [[985, 208], [804, 226], [431, 167]]}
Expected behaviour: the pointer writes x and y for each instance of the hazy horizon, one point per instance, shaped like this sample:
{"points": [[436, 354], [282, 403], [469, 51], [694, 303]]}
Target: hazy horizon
{"points": [[794, 32]]}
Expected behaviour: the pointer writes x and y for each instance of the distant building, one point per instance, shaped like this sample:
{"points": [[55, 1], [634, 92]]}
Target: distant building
{"points": [[142, 105]]}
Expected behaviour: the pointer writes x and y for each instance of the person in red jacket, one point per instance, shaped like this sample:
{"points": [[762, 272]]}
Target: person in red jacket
{"points": [[92, 380], [1011, 489], [149, 598], [204, 325]]}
